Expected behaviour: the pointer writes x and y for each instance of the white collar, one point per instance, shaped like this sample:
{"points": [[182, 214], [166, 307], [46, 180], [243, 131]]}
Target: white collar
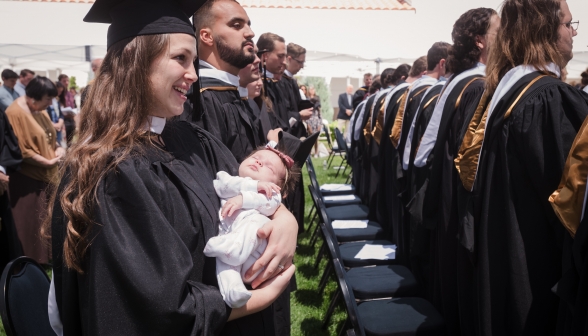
{"points": [[269, 74], [288, 73], [155, 124], [391, 93], [243, 92], [212, 72]]}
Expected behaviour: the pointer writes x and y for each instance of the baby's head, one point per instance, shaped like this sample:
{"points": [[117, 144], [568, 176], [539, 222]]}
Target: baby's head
{"points": [[269, 165]]}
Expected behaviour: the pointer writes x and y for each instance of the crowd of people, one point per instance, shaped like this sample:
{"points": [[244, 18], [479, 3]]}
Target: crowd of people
{"points": [[176, 206]]}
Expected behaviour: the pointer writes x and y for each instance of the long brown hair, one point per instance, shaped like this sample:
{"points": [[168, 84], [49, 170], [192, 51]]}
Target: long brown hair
{"points": [[112, 121], [528, 35]]}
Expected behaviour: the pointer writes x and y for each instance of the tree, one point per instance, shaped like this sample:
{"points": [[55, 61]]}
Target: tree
{"points": [[72, 82]]}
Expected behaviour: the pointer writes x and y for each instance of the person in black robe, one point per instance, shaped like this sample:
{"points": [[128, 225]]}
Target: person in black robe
{"points": [[363, 92], [514, 163], [10, 159], [383, 117], [451, 266], [295, 59], [223, 113], [129, 259]]}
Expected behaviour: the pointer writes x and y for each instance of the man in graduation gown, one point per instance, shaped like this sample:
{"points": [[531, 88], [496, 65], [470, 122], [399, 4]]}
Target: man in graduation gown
{"points": [[10, 159], [525, 125], [414, 245], [451, 264], [295, 59], [382, 119], [273, 52], [223, 52], [362, 92], [389, 208]]}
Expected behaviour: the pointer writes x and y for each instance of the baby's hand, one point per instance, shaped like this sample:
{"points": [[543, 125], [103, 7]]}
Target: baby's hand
{"points": [[232, 205], [267, 188]]}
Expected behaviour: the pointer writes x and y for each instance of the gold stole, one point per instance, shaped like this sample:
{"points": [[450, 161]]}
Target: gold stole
{"points": [[219, 88], [397, 127], [367, 130]]}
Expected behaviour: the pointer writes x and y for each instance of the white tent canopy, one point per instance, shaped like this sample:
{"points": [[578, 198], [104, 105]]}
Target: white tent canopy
{"points": [[341, 43]]}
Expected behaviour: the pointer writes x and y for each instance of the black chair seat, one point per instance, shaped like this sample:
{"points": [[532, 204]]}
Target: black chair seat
{"points": [[348, 212], [401, 316], [350, 250], [372, 232], [346, 189], [331, 203], [381, 282]]}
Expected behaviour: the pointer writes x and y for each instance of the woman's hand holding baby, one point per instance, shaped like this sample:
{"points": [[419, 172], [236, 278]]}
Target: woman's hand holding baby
{"points": [[232, 205], [267, 188]]}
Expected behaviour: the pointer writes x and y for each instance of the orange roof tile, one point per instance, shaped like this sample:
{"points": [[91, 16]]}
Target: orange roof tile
{"points": [[310, 4]]}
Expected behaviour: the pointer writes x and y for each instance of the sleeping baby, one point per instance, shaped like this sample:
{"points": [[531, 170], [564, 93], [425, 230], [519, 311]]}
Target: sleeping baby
{"points": [[246, 202]]}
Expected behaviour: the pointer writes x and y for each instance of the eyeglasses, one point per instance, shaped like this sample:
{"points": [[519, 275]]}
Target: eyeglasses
{"points": [[574, 25], [299, 62]]}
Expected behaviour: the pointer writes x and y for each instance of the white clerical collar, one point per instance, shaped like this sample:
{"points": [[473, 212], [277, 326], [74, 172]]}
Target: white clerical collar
{"points": [[288, 73], [212, 72], [155, 124], [243, 92], [269, 74]]}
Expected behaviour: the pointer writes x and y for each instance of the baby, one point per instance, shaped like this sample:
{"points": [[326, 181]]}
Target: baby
{"points": [[246, 202]]}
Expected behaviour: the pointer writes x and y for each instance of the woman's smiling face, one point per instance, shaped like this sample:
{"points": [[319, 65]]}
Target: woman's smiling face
{"points": [[172, 74]]}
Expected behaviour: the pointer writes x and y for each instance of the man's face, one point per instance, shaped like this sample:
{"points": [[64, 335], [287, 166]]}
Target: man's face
{"points": [[65, 81], [367, 80], [565, 43], [26, 79], [250, 73], [275, 61], [295, 64], [349, 89], [9, 83], [232, 34], [96, 65]]}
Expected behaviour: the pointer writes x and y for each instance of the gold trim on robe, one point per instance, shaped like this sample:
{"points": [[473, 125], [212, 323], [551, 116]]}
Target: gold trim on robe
{"points": [[458, 101], [219, 88], [397, 127], [568, 200], [469, 152], [377, 131], [367, 130]]}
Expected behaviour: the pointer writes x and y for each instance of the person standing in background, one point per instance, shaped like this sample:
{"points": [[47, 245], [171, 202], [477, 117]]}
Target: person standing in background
{"points": [[26, 76], [69, 98], [362, 92], [54, 112], [315, 123], [7, 92], [345, 109]]}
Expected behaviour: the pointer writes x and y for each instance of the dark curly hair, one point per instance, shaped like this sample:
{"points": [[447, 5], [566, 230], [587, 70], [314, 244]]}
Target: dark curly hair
{"points": [[401, 71], [464, 54]]}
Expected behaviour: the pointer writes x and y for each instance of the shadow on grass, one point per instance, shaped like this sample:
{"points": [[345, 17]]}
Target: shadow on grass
{"points": [[308, 271], [305, 250], [311, 326], [308, 297]]}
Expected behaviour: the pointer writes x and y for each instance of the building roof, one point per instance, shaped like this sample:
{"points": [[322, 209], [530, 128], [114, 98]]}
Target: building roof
{"points": [[300, 4]]}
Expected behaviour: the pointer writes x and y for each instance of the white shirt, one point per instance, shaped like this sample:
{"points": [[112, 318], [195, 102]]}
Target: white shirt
{"points": [[212, 72]]}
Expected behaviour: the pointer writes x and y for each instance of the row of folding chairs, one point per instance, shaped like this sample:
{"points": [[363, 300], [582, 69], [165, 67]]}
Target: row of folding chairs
{"points": [[378, 294], [341, 150]]}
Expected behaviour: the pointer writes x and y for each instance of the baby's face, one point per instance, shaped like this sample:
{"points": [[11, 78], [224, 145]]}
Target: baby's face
{"points": [[264, 166]]}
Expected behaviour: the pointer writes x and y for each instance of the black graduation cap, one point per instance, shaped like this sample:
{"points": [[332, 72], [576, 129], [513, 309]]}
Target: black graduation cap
{"points": [[130, 18], [297, 149]]}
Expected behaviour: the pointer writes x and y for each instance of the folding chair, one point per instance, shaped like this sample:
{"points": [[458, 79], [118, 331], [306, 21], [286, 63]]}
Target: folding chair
{"points": [[330, 200], [23, 299], [333, 151], [345, 151]]}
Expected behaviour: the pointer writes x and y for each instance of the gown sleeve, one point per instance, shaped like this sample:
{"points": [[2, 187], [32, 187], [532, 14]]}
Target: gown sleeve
{"points": [[140, 271]]}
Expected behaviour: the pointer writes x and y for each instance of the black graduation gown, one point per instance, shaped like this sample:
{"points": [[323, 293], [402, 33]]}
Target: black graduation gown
{"points": [[413, 248], [518, 236], [353, 152], [452, 267], [289, 86], [363, 158], [359, 96], [145, 272], [281, 94], [225, 115], [10, 159], [382, 134], [390, 207]]}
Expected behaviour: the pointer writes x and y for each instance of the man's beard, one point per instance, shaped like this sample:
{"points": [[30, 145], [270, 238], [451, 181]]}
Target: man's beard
{"points": [[235, 57]]}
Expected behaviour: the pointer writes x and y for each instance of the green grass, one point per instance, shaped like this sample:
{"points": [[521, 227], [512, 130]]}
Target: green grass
{"points": [[307, 307]]}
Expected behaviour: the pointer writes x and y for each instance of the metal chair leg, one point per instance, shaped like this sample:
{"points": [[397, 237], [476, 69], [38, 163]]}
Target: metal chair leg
{"points": [[319, 256], [331, 309], [311, 211], [325, 279], [315, 236]]}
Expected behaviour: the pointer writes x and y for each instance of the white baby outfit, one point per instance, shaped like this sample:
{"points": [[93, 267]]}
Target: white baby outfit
{"points": [[237, 246]]}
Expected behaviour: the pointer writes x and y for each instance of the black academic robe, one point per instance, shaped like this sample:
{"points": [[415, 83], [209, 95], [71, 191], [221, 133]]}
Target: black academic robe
{"points": [[452, 281], [359, 96], [381, 134], [414, 246], [225, 115], [389, 206], [289, 86], [353, 153], [362, 181], [280, 94], [518, 243], [10, 159], [145, 272]]}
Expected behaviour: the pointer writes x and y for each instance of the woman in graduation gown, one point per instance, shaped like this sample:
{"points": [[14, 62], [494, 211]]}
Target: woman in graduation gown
{"points": [[524, 128], [136, 203]]}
